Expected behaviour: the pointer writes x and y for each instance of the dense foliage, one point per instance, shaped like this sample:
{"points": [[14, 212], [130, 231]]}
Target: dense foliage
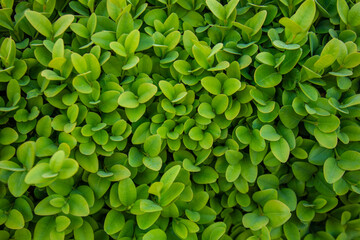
{"points": [[179, 119]]}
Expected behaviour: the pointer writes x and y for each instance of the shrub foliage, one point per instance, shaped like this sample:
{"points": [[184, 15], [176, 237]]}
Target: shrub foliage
{"points": [[179, 119]]}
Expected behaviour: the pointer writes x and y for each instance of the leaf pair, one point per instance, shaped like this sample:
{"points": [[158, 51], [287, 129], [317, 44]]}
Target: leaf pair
{"points": [[44, 26]]}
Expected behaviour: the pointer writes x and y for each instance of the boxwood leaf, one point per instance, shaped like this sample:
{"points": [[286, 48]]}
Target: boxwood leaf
{"points": [[128, 99], [84, 232], [152, 145], [132, 41], [40, 23], [269, 133], [280, 149], [166, 197], [352, 15], [78, 205], [114, 222], [349, 160], [254, 221], [146, 91], [16, 184], [155, 234], [60, 26], [15, 220], [146, 220], [327, 140], [328, 124], [332, 172], [277, 212], [127, 192], [217, 9], [207, 175], [8, 136], [266, 76]]}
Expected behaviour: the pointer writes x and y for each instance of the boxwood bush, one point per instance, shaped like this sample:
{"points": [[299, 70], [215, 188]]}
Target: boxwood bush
{"points": [[179, 119]]}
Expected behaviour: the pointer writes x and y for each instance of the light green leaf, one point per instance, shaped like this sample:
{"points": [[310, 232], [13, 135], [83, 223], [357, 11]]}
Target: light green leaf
{"points": [[277, 212], [280, 149], [332, 172], [217, 9], [60, 26], [350, 161], [40, 23]]}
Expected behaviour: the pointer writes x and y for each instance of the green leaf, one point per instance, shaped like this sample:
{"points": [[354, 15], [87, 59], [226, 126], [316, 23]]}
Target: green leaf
{"points": [[266, 58], [16, 184], [146, 91], [132, 41], [233, 172], [201, 53], [217, 9], [149, 206], [332, 172], [8, 136], [304, 213], [343, 9], [183, 67], [152, 145], [98, 185], [212, 85], [34, 176], [231, 86], [8, 52], [277, 212], [60, 26], [15, 220], [103, 39], [23, 233], [254, 221], [155, 234], [84, 232], [310, 91], [328, 124], [82, 85], [80, 30], [303, 171], [266, 76], [280, 149], [120, 172], [215, 231], [44, 207], [10, 166], [132, 61], [207, 175], [62, 222], [327, 140], [269, 133], [153, 163], [206, 110], [166, 197], [43, 228], [40, 23], [146, 220], [230, 7], [169, 177], [128, 100], [114, 222], [305, 14], [353, 14], [127, 192], [78, 205], [220, 103], [349, 160]]}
